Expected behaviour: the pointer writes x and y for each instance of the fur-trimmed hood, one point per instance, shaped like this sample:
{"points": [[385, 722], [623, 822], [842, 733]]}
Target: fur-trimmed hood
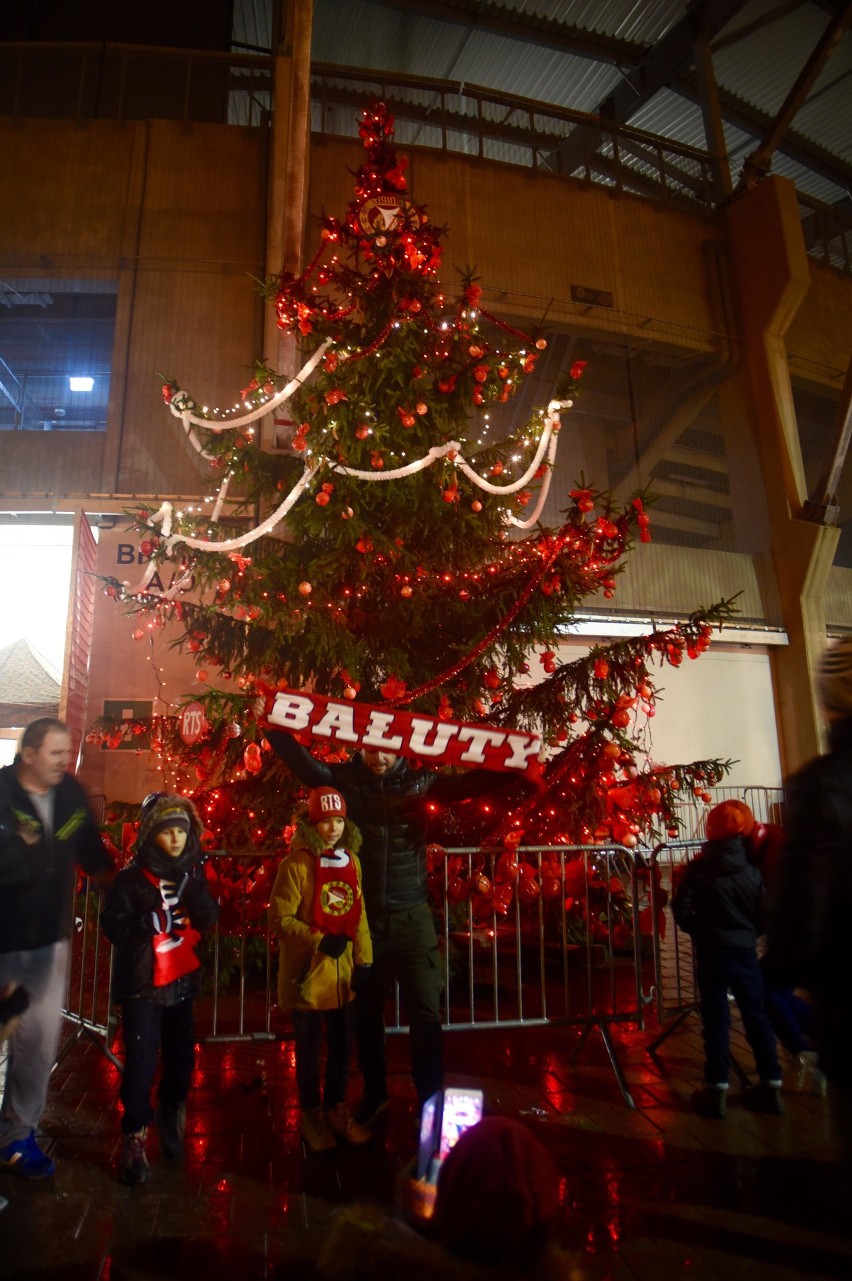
{"points": [[306, 836]]}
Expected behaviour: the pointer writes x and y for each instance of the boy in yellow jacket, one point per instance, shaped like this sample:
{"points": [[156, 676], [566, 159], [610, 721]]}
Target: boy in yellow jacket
{"points": [[317, 911]]}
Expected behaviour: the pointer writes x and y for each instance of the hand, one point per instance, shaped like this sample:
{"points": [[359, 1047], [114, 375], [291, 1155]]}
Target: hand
{"points": [[14, 1000], [360, 978], [333, 945], [166, 920]]}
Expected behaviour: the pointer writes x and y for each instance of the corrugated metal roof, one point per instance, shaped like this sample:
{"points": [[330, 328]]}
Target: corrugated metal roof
{"points": [[756, 57]]}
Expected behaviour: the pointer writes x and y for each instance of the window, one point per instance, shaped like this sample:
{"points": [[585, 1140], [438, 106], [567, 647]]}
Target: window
{"points": [[53, 331]]}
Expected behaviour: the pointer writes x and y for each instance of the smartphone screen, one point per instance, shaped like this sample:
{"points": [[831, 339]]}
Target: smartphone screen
{"points": [[443, 1120], [462, 1109]]}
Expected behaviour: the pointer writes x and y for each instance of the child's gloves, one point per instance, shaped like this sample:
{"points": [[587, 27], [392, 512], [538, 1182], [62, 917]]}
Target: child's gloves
{"points": [[333, 945], [166, 921]]}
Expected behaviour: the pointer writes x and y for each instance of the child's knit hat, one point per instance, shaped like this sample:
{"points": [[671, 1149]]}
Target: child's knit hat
{"points": [[325, 802], [729, 818]]}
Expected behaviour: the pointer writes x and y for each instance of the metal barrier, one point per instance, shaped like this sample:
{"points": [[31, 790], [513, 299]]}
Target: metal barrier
{"points": [[675, 983], [565, 941], [676, 993], [765, 804]]}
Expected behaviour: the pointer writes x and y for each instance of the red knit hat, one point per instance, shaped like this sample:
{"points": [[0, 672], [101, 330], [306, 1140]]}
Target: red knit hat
{"points": [[325, 802], [498, 1193], [729, 818]]}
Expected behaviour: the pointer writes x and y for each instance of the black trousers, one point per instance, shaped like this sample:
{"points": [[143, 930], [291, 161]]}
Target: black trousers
{"points": [[736, 968], [150, 1028], [405, 948], [307, 1029]]}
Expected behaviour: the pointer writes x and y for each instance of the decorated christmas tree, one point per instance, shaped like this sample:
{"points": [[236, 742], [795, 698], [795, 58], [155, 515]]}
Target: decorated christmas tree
{"points": [[390, 555]]}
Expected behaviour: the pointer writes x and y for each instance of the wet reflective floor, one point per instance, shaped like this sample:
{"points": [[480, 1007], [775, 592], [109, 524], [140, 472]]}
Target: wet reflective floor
{"points": [[653, 1192]]}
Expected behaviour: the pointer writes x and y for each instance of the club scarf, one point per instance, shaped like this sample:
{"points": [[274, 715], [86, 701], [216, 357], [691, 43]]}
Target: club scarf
{"points": [[174, 950], [337, 895]]}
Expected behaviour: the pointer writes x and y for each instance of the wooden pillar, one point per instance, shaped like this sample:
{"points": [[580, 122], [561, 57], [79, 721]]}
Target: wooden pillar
{"points": [[771, 276], [289, 154]]}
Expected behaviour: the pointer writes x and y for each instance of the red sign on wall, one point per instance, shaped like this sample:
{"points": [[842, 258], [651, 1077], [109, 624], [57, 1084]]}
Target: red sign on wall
{"points": [[193, 723]]}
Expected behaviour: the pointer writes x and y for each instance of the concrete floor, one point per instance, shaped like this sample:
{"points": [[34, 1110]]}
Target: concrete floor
{"points": [[651, 1193]]}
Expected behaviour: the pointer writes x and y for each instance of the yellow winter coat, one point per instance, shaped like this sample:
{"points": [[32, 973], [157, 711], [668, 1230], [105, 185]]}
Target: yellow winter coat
{"points": [[308, 979]]}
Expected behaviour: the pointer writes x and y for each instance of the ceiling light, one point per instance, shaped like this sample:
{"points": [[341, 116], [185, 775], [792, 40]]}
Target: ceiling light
{"points": [[81, 384]]}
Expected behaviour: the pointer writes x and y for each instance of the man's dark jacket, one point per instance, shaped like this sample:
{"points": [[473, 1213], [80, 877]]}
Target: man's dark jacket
{"points": [[37, 880], [390, 810], [721, 900], [809, 932]]}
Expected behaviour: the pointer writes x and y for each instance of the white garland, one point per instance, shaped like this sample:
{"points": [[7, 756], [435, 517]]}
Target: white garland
{"points": [[547, 445]]}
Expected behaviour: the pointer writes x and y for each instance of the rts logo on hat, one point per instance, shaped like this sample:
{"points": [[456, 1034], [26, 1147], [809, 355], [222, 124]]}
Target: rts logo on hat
{"points": [[325, 802]]}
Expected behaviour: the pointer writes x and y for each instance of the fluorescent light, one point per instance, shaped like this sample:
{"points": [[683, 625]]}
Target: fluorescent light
{"points": [[81, 384]]}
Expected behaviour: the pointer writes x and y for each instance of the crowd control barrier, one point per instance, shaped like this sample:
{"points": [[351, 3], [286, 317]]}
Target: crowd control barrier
{"points": [[675, 984], [542, 935]]}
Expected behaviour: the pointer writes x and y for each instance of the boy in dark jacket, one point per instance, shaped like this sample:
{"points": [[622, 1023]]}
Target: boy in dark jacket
{"points": [[720, 902], [154, 915]]}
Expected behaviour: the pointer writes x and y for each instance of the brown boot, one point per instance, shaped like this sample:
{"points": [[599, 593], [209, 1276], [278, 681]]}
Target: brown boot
{"points": [[343, 1125], [315, 1130]]}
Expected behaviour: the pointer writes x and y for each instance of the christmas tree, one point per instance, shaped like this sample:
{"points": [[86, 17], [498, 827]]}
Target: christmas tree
{"points": [[393, 554]]}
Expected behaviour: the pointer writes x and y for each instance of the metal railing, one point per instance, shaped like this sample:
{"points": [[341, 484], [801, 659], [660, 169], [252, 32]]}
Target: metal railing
{"points": [[571, 946], [101, 80], [474, 121]]}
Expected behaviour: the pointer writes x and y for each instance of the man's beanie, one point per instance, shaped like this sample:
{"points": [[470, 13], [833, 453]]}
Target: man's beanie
{"points": [[164, 810], [834, 676], [498, 1193], [325, 802], [729, 818]]}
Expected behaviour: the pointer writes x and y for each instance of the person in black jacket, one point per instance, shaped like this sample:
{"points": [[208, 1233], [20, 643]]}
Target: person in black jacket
{"points": [[386, 799], [46, 831], [154, 915], [720, 902], [808, 937]]}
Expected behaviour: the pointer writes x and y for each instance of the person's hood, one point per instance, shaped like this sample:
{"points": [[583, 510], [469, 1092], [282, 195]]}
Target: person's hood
{"points": [[726, 856]]}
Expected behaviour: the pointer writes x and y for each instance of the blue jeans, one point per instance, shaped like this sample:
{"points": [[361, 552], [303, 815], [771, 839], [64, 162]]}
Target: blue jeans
{"points": [[307, 1029], [148, 1029], [737, 968]]}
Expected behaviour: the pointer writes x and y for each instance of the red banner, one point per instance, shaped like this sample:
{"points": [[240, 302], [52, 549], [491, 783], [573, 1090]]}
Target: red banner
{"points": [[405, 733]]}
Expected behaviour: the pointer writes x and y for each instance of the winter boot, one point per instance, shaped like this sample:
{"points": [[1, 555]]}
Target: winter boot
{"points": [[171, 1127], [344, 1126], [765, 1097], [133, 1167], [315, 1129], [809, 1079]]}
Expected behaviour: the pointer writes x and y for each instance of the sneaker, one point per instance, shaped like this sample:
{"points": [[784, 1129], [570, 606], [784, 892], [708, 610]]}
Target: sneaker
{"points": [[765, 1097], [343, 1126], [809, 1079], [370, 1109], [133, 1167], [315, 1129], [171, 1127], [25, 1157], [711, 1101]]}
